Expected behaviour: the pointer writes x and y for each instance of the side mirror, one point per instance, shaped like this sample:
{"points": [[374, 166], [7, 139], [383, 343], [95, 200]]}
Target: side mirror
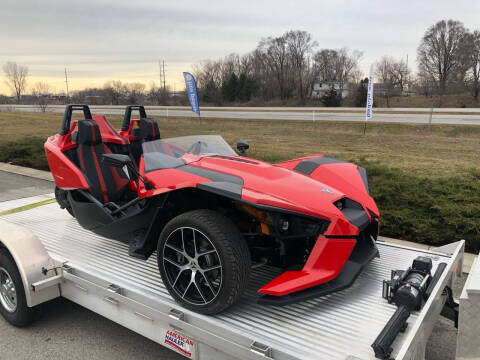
{"points": [[117, 160], [242, 146]]}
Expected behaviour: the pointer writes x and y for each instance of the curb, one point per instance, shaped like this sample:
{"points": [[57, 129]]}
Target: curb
{"points": [[25, 171]]}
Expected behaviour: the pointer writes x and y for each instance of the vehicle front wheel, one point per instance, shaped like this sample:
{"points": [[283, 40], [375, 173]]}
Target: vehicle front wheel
{"points": [[204, 261]]}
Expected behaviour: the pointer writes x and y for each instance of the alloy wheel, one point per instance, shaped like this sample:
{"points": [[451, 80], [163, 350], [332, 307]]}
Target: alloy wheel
{"points": [[192, 265]]}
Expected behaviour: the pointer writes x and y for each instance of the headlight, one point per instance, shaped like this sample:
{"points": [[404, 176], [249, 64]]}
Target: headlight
{"points": [[287, 225]]}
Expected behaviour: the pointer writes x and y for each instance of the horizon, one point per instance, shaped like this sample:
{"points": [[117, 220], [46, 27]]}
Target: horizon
{"points": [[113, 40]]}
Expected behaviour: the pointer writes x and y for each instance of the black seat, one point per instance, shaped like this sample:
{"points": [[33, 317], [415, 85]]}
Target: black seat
{"points": [[148, 131], [107, 183]]}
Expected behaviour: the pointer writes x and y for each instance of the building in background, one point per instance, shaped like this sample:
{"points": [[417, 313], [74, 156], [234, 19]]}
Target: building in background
{"points": [[322, 87]]}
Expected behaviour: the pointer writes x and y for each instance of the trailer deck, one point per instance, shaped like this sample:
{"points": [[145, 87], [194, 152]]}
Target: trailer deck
{"points": [[101, 276]]}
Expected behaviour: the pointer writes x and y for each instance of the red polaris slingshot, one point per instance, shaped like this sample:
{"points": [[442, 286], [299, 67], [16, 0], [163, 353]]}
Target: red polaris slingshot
{"points": [[212, 214]]}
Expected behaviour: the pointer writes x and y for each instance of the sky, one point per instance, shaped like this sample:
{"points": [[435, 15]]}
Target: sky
{"points": [[100, 40]]}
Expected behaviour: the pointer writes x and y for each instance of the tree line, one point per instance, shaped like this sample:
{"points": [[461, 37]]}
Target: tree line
{"points": [[285, 68], [282, 68]]}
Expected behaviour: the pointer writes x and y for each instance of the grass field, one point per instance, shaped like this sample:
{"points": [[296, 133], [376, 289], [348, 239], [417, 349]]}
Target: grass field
{"points": [[426, 183]]}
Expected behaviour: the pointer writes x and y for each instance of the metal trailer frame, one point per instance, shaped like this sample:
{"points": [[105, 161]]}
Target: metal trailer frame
{"points": [[97, 273], [469, 316]]}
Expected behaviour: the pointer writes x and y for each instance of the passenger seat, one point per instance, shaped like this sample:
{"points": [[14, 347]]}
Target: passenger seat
{"points": [[148, 131]]}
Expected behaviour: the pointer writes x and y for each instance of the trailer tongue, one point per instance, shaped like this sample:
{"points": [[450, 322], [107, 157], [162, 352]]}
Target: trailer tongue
{"points": [[98, 274]]}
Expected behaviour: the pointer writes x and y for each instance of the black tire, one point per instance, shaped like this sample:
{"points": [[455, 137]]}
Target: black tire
{"points": [[62, 200], [232, 254], [22, 315]]}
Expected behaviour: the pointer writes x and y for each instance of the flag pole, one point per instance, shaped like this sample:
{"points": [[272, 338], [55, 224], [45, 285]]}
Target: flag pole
{"points": [[192, 93], [369, 105]]}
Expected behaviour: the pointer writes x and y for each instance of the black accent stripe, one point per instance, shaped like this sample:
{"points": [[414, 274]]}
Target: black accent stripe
{"points": [[227, 189], [113, 130], [309, 165], [363, 175], [211, 174]]}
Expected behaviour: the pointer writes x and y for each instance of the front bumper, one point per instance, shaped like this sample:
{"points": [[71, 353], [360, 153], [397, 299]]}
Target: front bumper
{"points": [[364, 251]]}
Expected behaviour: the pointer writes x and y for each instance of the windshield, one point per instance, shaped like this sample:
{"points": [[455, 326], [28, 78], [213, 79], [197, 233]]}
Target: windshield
{"points": [[167, 153]]}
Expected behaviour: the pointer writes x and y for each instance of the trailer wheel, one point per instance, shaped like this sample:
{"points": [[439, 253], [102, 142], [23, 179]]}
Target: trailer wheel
{"points": [[13, 303], [204, 261]]}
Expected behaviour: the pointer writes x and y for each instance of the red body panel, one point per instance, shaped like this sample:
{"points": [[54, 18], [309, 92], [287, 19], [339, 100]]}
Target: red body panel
{"points": [[271, 185], [281, 187], [109, 134], [65, 173], [342, 176], [324, 264]]}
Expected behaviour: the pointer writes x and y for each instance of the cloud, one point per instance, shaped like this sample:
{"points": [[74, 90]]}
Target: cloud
{"points": [[108, 38]]}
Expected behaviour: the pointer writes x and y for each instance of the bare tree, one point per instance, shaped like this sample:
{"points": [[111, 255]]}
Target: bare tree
{"points": [[115, 91], [472, 75], [424, 82], [383, 71], [41, 92], [440, 51], [275, 53], [393, 74], [158, 95], [337, 65], [399, 74], [16, 78], [300, 45], [135, 92]]}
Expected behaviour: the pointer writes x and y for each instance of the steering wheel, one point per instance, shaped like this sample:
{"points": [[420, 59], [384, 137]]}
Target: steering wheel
{"points": [[196, 147]]}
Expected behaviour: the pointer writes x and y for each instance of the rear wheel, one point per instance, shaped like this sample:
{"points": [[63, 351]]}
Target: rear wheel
{"points": [[204, 261], [13, 302]]}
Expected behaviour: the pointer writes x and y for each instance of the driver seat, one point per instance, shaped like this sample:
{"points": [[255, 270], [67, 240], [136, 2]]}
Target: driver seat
{"points": [[106, 183]]}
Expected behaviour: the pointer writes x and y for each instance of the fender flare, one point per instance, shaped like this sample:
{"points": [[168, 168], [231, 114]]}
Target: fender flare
{"points": [[30, 257]]}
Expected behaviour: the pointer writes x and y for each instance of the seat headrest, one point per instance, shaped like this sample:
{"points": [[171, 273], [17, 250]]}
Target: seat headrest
{"points": [[149, 129], [88, 133]]}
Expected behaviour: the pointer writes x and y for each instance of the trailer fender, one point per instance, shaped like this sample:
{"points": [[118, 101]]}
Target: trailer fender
{"points": [[30, 257]]}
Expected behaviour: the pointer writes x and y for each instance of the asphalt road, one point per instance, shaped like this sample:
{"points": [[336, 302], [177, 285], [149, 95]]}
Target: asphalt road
{"points": [[465, 116], [68, 331]]}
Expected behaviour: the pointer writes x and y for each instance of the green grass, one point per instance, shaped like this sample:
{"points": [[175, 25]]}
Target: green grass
{"points": [[27, 152], [433, 211], [426, 183]]}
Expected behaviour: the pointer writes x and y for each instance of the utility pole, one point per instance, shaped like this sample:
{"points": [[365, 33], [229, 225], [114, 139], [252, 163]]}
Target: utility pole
{"points": [[161, 68], [159, 74], [66, 82], [163, 64]]}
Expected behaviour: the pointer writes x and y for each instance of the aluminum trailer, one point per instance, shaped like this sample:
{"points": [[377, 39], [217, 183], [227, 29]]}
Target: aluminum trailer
{"points": [[97, 273]]}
